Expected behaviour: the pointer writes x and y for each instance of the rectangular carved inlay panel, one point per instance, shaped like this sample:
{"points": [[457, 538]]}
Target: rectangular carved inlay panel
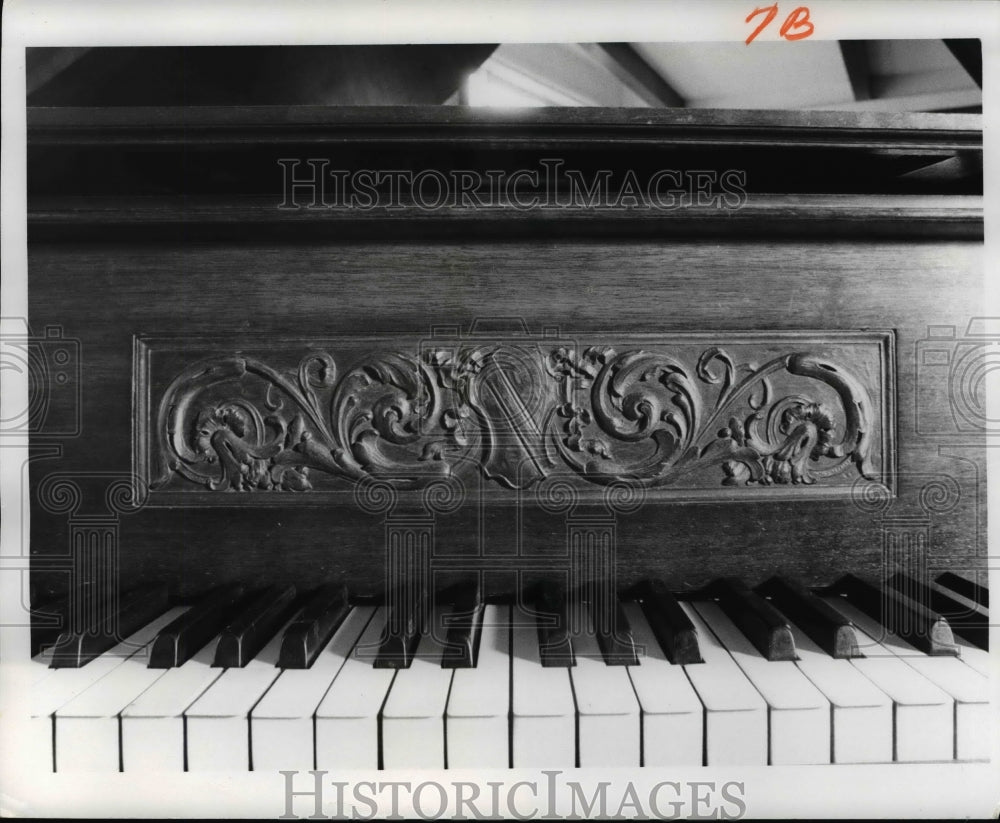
{"points": [[678, 416]]}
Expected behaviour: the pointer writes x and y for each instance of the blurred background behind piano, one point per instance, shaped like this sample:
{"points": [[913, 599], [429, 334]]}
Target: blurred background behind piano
{"points": [[847, 75]]}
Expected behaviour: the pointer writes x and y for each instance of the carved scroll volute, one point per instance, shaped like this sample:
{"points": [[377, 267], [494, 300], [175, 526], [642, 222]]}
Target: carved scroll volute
{"points": [[786, 441], [633, 397], [641, 396], [216, 431], [383, 406], [859, 414]]}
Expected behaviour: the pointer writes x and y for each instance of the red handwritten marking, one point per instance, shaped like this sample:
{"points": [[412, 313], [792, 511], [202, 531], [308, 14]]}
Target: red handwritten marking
{"points": [[771, 12], [796, 26], [798, 19]]}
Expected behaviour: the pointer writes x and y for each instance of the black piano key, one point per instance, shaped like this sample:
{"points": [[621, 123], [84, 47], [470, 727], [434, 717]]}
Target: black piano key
{"points": [[972, 624], [761, 622], [253, 627], [822, 623], [461, 647], [50, 619], [179, 641], [967, 588], [313, 626], [614, 634], [57, 614], [555, 648], [673, 629], [135, 609], [915, 623], [405, 623]]}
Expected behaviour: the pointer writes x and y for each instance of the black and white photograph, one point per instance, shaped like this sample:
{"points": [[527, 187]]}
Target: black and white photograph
{"points": [[499, 411]]}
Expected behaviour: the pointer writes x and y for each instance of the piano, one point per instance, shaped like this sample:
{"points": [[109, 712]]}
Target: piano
{"points": [[234, 682], [659, 441]]}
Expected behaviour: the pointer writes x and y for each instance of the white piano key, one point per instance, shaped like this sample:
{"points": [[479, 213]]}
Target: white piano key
{"points": [[862, 713], [798, 713], [923, 716], [607, 711], [88, 726], [967, 687], [969, 653], [39, 666], [62, 685], [672, 714], [543, 724], [347, 717], [735, 713], [217, 724], [974, 657], [153, 724], [412, 718], [476, 724], [281, 724]]}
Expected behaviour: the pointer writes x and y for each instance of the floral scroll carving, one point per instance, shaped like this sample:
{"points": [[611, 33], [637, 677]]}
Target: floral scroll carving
{"points": [[384, 416], [641, 396], [656, 416]]}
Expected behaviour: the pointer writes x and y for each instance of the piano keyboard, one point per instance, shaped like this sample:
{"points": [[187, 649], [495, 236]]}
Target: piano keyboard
{"points": [[726, 677]]}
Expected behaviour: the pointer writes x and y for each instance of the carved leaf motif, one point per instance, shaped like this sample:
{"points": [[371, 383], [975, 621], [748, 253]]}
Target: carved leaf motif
{"points": [[229, 445], [456, 422]]}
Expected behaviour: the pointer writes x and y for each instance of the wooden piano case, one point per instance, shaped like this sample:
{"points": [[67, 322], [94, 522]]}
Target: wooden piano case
{"points": [[761, 362]]}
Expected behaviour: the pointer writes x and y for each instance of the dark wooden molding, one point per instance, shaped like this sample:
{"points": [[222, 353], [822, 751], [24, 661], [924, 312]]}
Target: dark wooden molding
{"points": [[221, 125], [151, 173], [773, 215]]}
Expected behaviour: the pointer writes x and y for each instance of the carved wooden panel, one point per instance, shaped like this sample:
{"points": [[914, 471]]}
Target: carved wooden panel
{"points": [[671, 417]]}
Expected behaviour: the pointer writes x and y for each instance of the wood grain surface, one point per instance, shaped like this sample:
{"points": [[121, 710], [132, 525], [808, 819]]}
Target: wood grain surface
{"points": [[104, 293]]}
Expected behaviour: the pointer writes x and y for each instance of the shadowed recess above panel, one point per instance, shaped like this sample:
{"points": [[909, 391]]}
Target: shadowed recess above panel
{"points": [[376, 75]]}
